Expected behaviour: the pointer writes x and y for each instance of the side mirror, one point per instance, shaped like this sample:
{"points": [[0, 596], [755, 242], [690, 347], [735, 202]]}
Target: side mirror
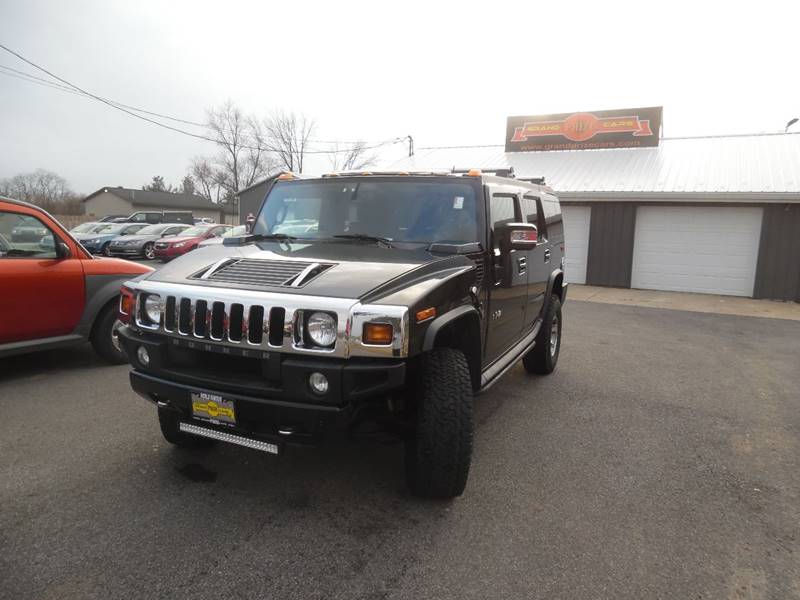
{"points": [[517, 236], [62, 250]]}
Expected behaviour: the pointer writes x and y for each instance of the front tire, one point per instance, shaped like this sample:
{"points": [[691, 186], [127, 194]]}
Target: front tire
{"points": [[169, 421], [149, 251], [542, 360], [438, 455], [105, 340], [106, 251]]}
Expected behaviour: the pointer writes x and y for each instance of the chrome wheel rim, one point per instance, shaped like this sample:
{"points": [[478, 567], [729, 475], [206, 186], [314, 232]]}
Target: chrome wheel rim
{"points": [[149, 252], [106, 250], [115, 335], [554, 329]]}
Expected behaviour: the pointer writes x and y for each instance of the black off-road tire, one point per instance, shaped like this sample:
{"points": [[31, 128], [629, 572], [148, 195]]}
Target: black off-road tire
{"points": [[542, 360], [438, 454], [149, 247], [168, 421], [102, 336]]}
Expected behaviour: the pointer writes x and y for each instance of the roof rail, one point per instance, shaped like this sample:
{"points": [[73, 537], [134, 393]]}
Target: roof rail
{"points": [[500, 172]]}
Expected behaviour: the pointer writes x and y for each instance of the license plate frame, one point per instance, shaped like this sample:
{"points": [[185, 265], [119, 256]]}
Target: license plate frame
{"points": [[213, 408]]}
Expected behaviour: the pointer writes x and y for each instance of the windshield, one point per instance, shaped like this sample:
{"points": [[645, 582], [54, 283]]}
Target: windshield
{"points": [[83, 228], [152, 229], [413, 210], [113, 229], [237, 231], [193, 231]]}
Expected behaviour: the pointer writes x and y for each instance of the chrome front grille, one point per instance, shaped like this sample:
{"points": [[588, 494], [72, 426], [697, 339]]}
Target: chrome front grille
{"points": [[233, 322], [265, 321]]}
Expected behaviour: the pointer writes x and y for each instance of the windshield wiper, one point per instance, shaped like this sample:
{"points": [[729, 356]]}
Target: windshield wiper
{"points": [[274, 236], [366, 238]]}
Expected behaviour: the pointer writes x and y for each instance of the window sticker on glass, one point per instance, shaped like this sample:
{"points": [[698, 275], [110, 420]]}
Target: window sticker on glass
{"points": [[458, 202]]}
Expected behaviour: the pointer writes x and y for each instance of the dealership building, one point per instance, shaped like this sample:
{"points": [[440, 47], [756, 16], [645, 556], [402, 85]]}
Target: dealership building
{"points": [[715, 215]]}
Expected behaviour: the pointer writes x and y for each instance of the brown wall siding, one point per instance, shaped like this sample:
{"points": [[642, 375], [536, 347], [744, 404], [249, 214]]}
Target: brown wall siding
{"points": [[611, 234], [778, 269]]}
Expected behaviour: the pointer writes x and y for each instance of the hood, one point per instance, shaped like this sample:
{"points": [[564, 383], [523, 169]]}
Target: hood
{"points": [[181, 238], [138, 238], [347, 270]]}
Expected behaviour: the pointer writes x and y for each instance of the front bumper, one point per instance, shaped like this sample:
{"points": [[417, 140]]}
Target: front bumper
{"points": [[126, 251], [169, 252], [270, 390]]}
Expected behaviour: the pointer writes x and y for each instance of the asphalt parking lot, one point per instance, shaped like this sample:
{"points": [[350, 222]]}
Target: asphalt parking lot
{"points": [[658, 461]]}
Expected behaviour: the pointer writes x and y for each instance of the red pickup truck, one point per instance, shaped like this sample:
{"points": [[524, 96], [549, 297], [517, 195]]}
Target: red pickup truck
{"points": [[53, 292]]}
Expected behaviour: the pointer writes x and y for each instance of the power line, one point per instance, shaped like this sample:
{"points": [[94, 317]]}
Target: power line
{"points": [[74, 90], [124, 109]]}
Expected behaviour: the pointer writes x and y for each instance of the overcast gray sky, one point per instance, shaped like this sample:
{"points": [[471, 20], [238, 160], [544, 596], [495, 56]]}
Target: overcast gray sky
{"points": [[446, 73]]}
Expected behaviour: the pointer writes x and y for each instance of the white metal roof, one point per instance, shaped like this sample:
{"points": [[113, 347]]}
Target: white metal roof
{"points": [[759, 165]]}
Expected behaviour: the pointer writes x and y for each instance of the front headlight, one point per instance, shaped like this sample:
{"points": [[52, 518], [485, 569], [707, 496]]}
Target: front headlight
{"points": [[152, 308], [321, 328], [179, 245], [91, 241]]}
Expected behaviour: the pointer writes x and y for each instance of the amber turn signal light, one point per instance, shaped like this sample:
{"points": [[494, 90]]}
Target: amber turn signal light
{"points": [[126, 304], [377, 333], [425, 314]]}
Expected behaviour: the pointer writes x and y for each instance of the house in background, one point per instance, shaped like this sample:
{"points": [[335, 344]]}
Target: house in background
{"points": [[124, 201]]}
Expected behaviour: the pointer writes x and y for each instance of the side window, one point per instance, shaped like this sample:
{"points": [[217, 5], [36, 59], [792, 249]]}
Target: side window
{"points": [[504, 209], [140, 218], [531, 206], [173, 230], [24, 236]]}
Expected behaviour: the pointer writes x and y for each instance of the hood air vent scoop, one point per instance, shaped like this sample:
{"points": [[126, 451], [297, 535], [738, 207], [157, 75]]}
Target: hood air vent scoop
{"points": [[254, 271]]}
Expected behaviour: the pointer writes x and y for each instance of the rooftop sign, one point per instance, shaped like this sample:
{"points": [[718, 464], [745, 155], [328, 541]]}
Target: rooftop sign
{"points": [[626, 128]]}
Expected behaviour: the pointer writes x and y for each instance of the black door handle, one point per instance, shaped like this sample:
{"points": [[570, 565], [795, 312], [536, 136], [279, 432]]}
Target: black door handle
{"points": [[547, 255]]}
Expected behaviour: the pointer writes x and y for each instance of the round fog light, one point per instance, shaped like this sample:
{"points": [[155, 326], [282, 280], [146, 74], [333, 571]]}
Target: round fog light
{"points": [[318, 383], [144, 357]]}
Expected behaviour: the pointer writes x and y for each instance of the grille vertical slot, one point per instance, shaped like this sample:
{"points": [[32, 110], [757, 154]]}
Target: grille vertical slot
{"points": [[217, 320], [201, 318], [235, 322], [169, 314], [255, 321], [276, 318], [184, 315]]}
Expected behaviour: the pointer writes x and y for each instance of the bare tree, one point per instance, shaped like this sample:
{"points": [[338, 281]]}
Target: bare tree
{"points": [[286, 134], [157, 185], [243, 157], [187, 185], [208, 181], [354, 158], [43, 188]]}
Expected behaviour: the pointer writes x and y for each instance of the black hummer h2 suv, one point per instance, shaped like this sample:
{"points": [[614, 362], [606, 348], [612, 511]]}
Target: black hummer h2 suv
{"points": [[377, 298]]}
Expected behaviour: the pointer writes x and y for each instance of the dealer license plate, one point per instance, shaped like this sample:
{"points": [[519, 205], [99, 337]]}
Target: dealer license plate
{"points": [[213, 408]]}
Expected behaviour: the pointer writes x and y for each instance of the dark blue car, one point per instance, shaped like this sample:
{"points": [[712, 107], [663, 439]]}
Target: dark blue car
{"points": [[97, 243]]}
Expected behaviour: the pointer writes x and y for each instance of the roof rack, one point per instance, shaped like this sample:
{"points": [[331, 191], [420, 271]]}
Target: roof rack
{"points": [[500, 172], [382, 173], [536, 180]]}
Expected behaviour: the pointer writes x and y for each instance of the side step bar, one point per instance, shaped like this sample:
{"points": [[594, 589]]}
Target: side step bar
{"points": [[231, 438]]}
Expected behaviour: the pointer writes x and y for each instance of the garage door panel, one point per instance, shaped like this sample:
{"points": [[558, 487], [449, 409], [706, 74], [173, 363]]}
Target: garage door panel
{"points": [[576, 242], [697, 249]]}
